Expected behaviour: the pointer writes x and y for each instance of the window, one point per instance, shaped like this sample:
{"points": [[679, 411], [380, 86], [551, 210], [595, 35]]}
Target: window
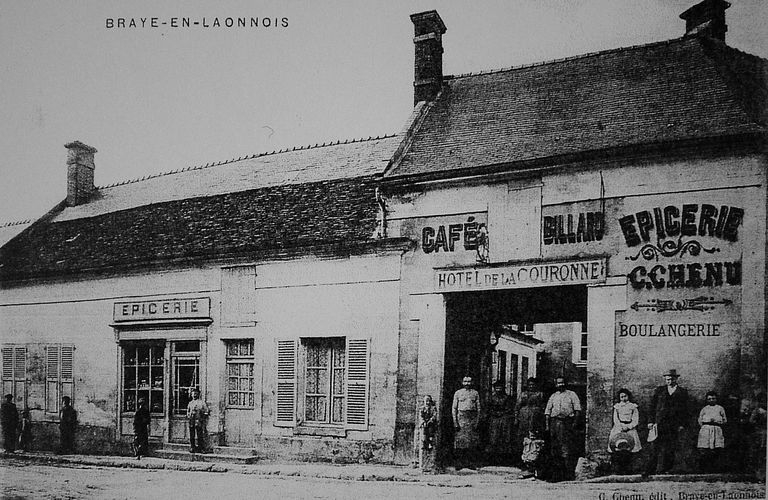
{"points": [[329, 387], [579, 342], [15, 372], [324, 381], [59, 380], [240, 374], [143, 376], [524, 373]]}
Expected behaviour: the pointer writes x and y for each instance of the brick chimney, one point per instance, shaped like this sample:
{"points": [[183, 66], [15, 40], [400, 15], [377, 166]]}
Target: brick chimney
{"points": [[706, 18], [428, 64], [79, 173]]}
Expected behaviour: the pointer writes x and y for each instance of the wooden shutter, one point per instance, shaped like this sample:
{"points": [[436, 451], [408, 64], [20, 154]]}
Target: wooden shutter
{"points": [[66, 373], [238, 290], [285, 403], [358, 361], [7, 370], [52, 378]]}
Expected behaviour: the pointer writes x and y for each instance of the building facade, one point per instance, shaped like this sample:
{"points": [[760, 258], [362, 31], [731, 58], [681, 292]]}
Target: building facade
{"points": [[611, 204], [601, 217]]}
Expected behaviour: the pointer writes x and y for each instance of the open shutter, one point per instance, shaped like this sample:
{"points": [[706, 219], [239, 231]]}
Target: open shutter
{"points": [[285, 404], [20, 374], [67, 383], [7, 370], [52, 378], [358, 361]]}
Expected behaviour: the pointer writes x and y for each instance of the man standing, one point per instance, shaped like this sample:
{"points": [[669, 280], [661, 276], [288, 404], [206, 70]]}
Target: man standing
{"points": [[67, 425], [141, 421], [669, 414], [466, 418], [9, 419], [561, 417], [197, 413]]}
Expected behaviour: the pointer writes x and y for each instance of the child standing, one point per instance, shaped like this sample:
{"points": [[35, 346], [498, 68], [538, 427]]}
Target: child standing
{"points": [[427, 434], [711, 441], [623, 439]]}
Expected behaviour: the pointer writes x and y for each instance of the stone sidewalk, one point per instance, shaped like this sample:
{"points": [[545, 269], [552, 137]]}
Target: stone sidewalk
{"points": [[349, 472]]}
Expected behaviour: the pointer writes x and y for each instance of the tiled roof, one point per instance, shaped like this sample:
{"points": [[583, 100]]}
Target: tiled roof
{"points": [[314, 197], [682, 89], [295, 166], [10, 229]]}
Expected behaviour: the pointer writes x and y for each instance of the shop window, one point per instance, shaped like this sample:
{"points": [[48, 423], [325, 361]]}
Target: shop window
{"points": [[59, 380], [333, 382], [143, 376], [15, 372], [240, 392]]}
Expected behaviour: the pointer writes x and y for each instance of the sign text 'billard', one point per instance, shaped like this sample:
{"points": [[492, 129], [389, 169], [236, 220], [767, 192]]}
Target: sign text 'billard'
{"points": [[520, 276]]}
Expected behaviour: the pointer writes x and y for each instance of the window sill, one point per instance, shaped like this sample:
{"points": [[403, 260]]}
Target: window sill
{"points": [[319, 430]]}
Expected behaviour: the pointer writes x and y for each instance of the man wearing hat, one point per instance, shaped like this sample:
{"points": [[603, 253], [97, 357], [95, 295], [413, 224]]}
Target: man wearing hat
{"points": [[466, 418], [67, 425], [669, 412], [9, 420]]}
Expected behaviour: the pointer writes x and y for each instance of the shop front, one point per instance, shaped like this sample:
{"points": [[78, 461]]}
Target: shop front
{"points": [[162, 359]]}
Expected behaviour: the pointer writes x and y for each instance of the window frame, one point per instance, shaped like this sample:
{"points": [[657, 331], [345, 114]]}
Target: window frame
{"points": [[335, 348], [59, 380], [240, 360]]}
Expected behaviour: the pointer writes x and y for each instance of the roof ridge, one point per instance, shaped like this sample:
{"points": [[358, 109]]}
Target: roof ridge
{"points": [[16, 223], [247, 157], [569, 58]]}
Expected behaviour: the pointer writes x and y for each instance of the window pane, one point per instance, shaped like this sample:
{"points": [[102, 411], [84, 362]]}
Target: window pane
{"points": [[337, 412]]}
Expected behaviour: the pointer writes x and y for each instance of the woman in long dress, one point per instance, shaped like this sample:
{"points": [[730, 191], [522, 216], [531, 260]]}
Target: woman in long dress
{"points": [[623, 441], [529, 414], [501, 414]]}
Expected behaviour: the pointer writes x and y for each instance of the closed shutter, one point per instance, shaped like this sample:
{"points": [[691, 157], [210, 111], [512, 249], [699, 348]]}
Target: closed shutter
{"points": [[238, 291], [358, 361], [285, 403], [52, 378]]}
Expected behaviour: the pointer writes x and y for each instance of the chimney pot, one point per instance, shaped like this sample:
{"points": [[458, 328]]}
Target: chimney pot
{"points": [[428, 62], [706, 18], [80, 169]]}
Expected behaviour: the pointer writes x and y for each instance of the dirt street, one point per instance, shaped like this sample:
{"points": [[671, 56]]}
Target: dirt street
{"points": [[20, 479]]}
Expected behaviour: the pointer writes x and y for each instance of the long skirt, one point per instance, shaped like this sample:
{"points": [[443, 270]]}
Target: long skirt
{"points": [[500, 434]]}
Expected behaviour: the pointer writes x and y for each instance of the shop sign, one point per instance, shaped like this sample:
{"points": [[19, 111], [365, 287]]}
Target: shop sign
{"points": [[520, 276], [693, 222], [163, 309], [573, 228]]}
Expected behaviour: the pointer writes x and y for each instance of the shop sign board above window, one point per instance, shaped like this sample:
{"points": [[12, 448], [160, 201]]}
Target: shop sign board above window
{"points": [[163, 309]]}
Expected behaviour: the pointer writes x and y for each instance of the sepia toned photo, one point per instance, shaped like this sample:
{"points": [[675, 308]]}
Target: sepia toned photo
{"points": [[513, 249]]}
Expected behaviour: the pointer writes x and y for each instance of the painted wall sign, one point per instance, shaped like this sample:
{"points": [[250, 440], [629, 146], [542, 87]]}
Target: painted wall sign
{"points": [[573, 228], [676, 222], [521, 276], [452, 237], [670, 330], [672, 221], [164, 309]]}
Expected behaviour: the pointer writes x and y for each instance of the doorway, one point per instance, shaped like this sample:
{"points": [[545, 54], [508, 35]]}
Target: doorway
{"points": [[185, 376], [474, 322]]}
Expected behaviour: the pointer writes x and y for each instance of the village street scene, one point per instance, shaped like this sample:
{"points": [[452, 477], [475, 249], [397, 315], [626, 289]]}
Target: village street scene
{"points": [[543, 276]]}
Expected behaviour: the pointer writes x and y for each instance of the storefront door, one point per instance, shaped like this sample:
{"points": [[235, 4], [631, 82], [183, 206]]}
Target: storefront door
{"points": [[185, 376]]}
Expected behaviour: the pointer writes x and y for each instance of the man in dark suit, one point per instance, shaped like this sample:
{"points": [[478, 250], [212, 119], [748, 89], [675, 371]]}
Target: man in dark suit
{"points": [[669, 413]]}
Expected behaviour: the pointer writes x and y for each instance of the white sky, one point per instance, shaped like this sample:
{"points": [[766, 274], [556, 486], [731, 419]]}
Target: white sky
{"points": [[154, 100]]}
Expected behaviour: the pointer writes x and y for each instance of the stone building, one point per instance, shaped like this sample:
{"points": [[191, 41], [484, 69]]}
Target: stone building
{"points": [[259, 281], [612, 203], [601, 217]]}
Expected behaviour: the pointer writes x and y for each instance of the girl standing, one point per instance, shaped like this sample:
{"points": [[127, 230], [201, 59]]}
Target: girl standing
{"points": [[623, 439], [711, 442]]}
